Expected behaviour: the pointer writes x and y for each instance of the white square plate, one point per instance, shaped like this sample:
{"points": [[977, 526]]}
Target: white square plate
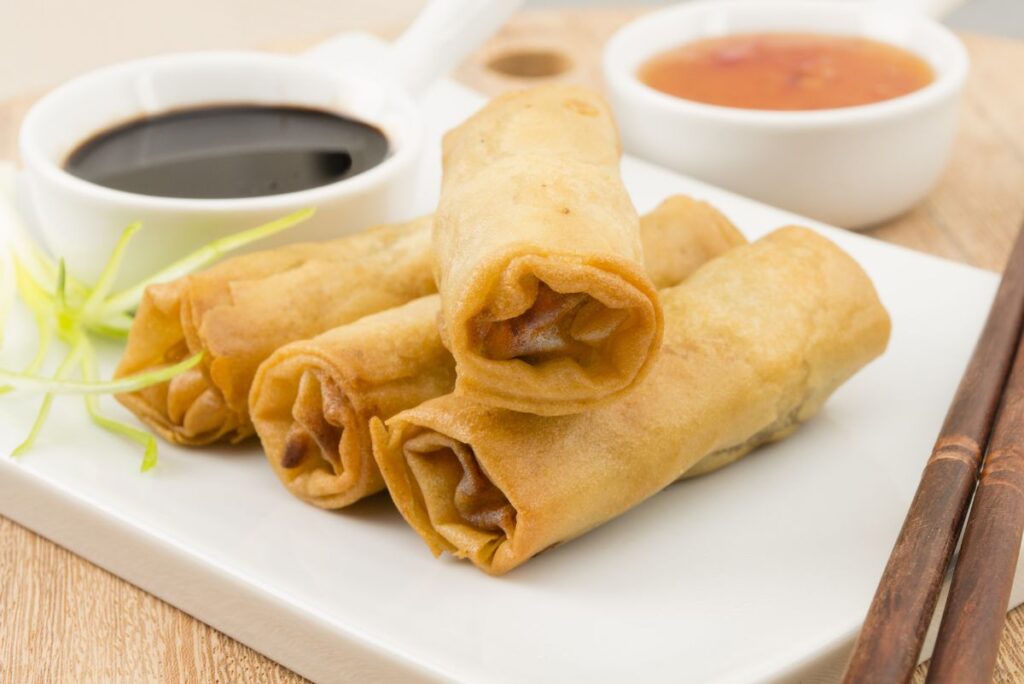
{"points": [[760, 572]]}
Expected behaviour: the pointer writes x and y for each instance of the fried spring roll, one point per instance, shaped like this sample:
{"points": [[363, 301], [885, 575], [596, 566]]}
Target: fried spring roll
{"points": [[239, 311], [312, 400], [242, 309], [755, 342], [546, 306]]}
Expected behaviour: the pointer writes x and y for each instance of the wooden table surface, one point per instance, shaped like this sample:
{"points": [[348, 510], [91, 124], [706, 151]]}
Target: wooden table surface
{"points": [[64, 619]]}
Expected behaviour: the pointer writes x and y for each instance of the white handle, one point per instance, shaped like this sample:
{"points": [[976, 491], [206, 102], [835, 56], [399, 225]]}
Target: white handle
{"points": [[443, 33]]}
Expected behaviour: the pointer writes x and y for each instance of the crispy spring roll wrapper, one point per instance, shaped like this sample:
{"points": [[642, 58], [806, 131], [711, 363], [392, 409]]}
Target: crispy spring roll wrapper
{"points": [[546, 305], [312, 400], [242, 309], [755, 342]]}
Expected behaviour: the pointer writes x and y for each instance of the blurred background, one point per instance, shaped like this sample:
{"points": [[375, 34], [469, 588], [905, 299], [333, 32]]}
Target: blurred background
{"points": [[43, 42]]}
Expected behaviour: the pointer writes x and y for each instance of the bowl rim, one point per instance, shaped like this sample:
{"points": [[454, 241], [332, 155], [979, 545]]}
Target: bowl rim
{"points": [[622, 77], [37, 161]]}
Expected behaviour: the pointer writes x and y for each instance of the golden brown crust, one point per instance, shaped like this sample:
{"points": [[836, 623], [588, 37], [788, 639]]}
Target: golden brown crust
{"points": [[532, 205], [755, 342], [312, 400], [715, 236], [360, 361], [239, 311]]}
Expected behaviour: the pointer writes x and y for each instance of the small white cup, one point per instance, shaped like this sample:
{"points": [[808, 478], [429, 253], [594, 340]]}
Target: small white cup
{"points": [[355, 75], [852, 167]]}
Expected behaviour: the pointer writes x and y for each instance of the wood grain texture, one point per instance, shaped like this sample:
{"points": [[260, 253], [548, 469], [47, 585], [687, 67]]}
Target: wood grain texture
{"points": [[966, 649], [888, 645], [64, 619]]}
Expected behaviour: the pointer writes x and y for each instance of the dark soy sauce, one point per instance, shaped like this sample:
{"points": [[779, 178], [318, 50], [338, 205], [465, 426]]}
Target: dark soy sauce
{"points": [[232, 151]]}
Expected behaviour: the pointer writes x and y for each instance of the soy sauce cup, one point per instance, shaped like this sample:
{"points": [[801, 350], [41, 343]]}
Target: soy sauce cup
{"points": [[852, 167], [354, 75]]}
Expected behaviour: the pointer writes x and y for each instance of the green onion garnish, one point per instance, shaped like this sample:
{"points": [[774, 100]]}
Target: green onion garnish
{"points": [[73, 312]]}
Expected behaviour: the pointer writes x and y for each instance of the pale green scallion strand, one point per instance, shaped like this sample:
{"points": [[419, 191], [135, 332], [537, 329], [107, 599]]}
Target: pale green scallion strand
{"points": [[92, 407], [90, 386], [128, 299], [44, 409]]}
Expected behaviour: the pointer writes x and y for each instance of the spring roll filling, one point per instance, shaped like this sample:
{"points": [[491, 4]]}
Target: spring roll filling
{"points": [[188, 402], [316, 438], [542, 332], [548, 315], [462, 502]]}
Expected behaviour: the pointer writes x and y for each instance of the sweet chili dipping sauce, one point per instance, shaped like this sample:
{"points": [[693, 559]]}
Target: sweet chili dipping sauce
{"points": [[786, 71]]}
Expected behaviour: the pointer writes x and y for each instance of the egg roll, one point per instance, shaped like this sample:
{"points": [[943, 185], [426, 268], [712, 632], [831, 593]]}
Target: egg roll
{"points": [[312, 400], [545, 303], [239, 311], [755, 342]]}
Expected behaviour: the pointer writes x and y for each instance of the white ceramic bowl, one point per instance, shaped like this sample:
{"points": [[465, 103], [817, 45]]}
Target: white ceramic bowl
{"points": [[852, 167], [81, 221], [353, 74]]}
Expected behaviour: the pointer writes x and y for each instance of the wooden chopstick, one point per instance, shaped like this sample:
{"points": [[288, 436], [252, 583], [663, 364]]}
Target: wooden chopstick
{"points": [[976, 608], [890, 641]]}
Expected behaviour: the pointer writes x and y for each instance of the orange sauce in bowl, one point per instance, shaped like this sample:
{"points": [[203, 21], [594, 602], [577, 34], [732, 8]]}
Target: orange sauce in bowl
{"points": [[786, 71]]}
